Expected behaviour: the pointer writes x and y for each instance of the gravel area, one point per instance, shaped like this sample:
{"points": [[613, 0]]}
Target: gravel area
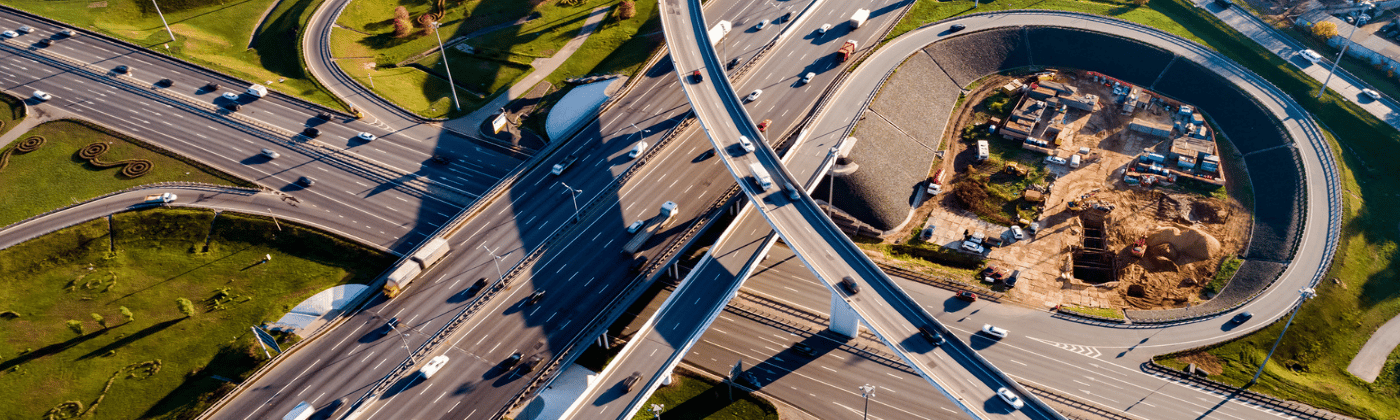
{"points": [[972, 56], [1278, 210], [1253, 277]]}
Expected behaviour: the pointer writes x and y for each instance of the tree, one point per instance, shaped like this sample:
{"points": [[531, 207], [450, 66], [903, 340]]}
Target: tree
{"points": [[402, 25], [1140, 2], [101, 321], [1324, 30], [76, 326], [126, 313], [401, 13], [186, 307], [626, 10]]}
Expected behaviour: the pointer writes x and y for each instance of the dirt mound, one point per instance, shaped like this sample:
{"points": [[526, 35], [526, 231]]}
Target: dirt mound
{"points": [[1189, 244]]}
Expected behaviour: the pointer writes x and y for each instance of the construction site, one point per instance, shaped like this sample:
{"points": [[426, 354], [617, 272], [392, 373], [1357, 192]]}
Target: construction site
{"points": [[1127, 215]]}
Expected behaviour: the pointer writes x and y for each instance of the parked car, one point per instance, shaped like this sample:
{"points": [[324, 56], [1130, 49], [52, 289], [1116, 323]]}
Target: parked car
{"points": [[997, 332], [972, 247], [1010, 398], [1017, 233], [927, 234]]}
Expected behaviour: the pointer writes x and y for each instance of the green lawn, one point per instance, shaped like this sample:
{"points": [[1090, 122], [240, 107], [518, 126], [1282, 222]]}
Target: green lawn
{"points": [[1098, 312], [158, 258], [11, 112], [694, 398], [207, 32], [54, 176], [928, 11]]}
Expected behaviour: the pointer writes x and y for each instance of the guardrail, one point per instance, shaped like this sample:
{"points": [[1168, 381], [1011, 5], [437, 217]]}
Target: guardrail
{"points": [[169, 184]]}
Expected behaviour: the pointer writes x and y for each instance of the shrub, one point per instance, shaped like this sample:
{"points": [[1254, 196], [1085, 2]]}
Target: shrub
{"points": [[1324, 30], [101, 321], [126, 313], [626, 10], [76, 326], [186, 307]]}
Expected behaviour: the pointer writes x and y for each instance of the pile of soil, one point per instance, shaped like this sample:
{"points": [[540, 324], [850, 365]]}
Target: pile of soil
{"points": [[1183, 234]]}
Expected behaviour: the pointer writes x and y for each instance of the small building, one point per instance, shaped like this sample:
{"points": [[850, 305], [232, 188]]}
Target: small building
{"points": [[1192, 147], [1041, 94], [1081, 102], [1012, 87], [1149, 127], [1060, 89]]}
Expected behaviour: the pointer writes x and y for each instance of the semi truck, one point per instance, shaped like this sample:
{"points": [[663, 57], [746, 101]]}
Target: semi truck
{"points": [[847, 50], [416, 264], [760, 176], [161, 198], [859, 18], [660, 221]]}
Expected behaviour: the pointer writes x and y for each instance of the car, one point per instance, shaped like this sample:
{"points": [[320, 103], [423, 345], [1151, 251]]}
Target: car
{"points": [[529, 365], [761, 25], [993, 241], [9, 34], [211, 86], [807, 78], [389, 326], [638, 264], [513, 360], [932, 336], [634, 227], [1010, 398], [165, 83], [123, 69], [972, 247], [45, 42], [323, 116], [306, 181], [850, 285], [792, 193], [441, 159], [366, 136], [1225, 4], [967, 296], [1310, 55], [535, 297], [804, 349], [230, 96], [435, 364], [822, 30], [993, 331], [1035, 226], [978, 237], [42, 95], [696, 77], [25, 29], [311, 132], [271, 154], [234, 106], [753, 96], [1241, 318], [1056, 160], [1370, 93], [763, 125], [67, 32], [631, 381], [732, 62], [956, 27], [637, 150], [708, 153], [1010, 281], [1017, 233], [783, 18], [480, 284], [746, 144], [927, 234]]}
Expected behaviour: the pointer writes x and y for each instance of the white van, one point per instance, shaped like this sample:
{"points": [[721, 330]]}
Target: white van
{"points": [[1310, 55], [637, 150], [434, 365], [1074, 161], [983, 150], [257, 90]]}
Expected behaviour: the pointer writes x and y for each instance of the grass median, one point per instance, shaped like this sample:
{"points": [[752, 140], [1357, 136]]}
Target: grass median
{"points": [[91, 322], [1362, 290], [54, 175], [692, 398]]}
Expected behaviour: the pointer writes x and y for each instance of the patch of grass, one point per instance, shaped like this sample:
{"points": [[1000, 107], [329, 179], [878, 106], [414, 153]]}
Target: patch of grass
{"points": [[990, 189], [158, 258], [207, 32], [480, 75], [1227, 270], [1109, 313], [928, 258], [11, 112], [619, 47], [692, 398], [411, 88], [54, 176], [929, 11]]}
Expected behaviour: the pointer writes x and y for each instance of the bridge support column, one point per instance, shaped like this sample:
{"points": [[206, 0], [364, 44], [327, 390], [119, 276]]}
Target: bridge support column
{"points": [[843, 318]]}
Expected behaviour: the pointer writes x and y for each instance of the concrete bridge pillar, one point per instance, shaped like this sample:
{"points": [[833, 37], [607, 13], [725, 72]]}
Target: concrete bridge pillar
{"points": [[843, 318]]}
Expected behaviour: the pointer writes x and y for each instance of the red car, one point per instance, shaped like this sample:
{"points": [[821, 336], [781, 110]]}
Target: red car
{"points": [[695, 77], [967, 296], [763, 126]]}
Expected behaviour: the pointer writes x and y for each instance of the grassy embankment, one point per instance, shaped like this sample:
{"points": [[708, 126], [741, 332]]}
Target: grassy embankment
{"points": [[1332, 327], [54, 176], [11, 113], [158, 363], [208, 33], [693, 398]]}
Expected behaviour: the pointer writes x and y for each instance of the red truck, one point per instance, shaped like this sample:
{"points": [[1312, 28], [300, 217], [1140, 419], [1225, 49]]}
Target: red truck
{"points": [[847, 50]]}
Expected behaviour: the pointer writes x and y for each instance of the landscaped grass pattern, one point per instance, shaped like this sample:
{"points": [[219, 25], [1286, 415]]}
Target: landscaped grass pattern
{"points": [[55, 176], [11, 113], [1332, 327], [694, 398], [207, 32], [70, 274]]}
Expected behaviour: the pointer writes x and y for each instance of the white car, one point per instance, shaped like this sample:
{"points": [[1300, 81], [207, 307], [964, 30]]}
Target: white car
{"points": [[822, 30], [25, 29], [9, 34], [634, 227], [366, 136], [1375, 96], [997, 332], [637, 150], [761, 25], [753, 96], [271, 154], [1311, 56], [972, 247], [808, 77], [1010, 398], [746, 144], [231, 96], [42, 95], [1055, 160], [1017, 233], [67, 32]]}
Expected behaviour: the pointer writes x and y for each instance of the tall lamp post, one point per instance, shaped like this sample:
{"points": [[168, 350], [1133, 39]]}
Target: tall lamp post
{"points": [[1361, 20], [640, 132], [866, 391], [163, 22], [1303, 296], [453, 85], [656, 410], [497, 259], [573, 192]]}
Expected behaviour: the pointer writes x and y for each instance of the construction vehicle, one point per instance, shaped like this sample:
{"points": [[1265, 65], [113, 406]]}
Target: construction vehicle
{"points": [[935, 184], [161, 198], [859, 18], [1139, 247], [416, 264], [847, 50], [660, 221]]}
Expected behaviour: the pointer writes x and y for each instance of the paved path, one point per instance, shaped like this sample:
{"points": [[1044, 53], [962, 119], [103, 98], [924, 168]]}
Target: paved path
{"points": [[543, 67], [33, 117], [1368, 362]]}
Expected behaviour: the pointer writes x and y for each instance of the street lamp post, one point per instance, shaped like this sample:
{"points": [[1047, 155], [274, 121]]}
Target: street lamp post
{"points": [[1359, 21], [497, 259], [1303, 296], [451, 85], [640, 132], [573, 192], [163, 22], [866, 391], [656, 410], [402, 336]]}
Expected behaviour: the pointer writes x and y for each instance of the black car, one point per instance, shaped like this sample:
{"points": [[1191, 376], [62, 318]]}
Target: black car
{"points": [[324, 116], [1241, 318], [631, 381], [529, 365], [732, 62], [123, 69], [165, 83], [784, 18], [513, 360], [535, 297], [850, 285], [306, 181], [233, 106], [45, 42], [931, 335], [480, 284], [696, 77], [211, 86], [311, 132], [804, 350], [389, 326], [441, 159], [956, 27]]}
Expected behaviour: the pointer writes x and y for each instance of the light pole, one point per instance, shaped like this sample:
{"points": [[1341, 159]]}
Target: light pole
{"points": [[1303, 296], [402, 336], [866, 391], [163, 22], [573, 192], [640, 132], [1359, 21], [656, 410], [451, 85], [497, 259]]}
